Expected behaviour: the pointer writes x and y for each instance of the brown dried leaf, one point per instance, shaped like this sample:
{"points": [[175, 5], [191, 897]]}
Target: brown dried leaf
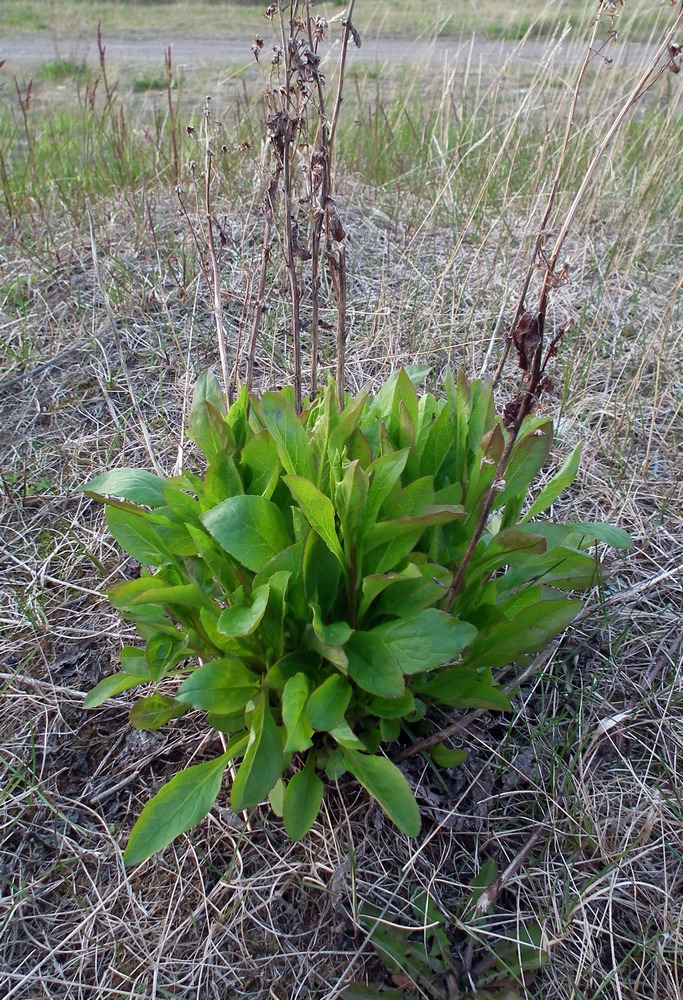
{"points": [[526, 337], [334, 222]]}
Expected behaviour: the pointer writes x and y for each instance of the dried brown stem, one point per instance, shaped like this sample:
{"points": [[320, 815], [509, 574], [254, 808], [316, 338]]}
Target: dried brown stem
{"points": [[260, 299], [531, 383], [288, 137], [561, 159], [215, 275]]}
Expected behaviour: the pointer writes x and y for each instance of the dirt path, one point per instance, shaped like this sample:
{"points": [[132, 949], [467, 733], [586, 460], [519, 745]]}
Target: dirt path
{"points": [[191, 53]]}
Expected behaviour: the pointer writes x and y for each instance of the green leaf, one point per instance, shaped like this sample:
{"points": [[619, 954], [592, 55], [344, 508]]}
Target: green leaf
{"points": [[350, 499], [349, 418], [156, 590], [272, 627], [563, 478], [328, 703], [334, 634], [243, 619], [561, 567], [526, 460], [381, 405], [524, 949], [222, 687], [463, 687], [408, 597], [201, 428], [227, 723], [262, 764], [155, 711], [447, 756], [587, 532], [160, 653], [502, 550], [133, 662], [290, 437], [260, 465], [302, 800], [294, 717], [109, 687], [438, 444], [483, 412], [373, 666], [528, 632], [238, 417], [404, 409], [318, 511], [333, 654], [392, 708], [321, 572], [385, 532], [459, 402], [390, 730], [415, 499], [249, 528], [426, 640], [131, 484], [385, 783], [276, 797], [177, 807], [375, 584], [346, 737], [222, 478], [486, 876], [136, 536], [386, 472]]}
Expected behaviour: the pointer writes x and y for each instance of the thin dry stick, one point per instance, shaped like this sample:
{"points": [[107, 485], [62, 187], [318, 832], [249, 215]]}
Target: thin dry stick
{"points": [[287, 190], [337, 262], [540, 236], [168, 62], [338, 268], [320, 169], [260, 299], [319, 172], [117, 339], [215, 283], [528, 394], [342, 65]]}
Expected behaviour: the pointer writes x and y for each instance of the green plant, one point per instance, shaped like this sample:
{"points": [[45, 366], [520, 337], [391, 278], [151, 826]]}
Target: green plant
{"points": [[297, 591], [61, 69], [422, 955]]}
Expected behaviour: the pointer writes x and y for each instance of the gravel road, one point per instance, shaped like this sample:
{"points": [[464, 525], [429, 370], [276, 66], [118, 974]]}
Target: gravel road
{"points": [[194, 52]]}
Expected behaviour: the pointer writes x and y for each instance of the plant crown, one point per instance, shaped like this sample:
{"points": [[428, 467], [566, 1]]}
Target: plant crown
{"points": [[295, 593]]}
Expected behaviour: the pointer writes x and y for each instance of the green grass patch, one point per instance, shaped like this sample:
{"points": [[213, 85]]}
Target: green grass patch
{"points": [[150, 81], [58, 70]]}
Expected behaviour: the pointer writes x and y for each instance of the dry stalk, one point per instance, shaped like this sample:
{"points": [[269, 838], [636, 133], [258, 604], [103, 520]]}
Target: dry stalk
{"points": [[528, 330], [215, 282], [289, 225], [298, 97]]}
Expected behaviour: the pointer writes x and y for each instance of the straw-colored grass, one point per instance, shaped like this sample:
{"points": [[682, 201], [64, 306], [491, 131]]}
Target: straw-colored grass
{"points": [[579, 793]]}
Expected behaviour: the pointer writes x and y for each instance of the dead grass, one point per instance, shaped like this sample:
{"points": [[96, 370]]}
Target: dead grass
{"points": [[582, 782]]}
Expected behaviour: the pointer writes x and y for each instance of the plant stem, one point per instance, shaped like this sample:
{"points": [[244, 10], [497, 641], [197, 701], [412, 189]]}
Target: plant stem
{"points": [[287, 186]]}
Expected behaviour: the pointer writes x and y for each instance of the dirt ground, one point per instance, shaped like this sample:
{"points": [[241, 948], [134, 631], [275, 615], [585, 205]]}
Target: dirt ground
{"points": [[193, 52]]}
